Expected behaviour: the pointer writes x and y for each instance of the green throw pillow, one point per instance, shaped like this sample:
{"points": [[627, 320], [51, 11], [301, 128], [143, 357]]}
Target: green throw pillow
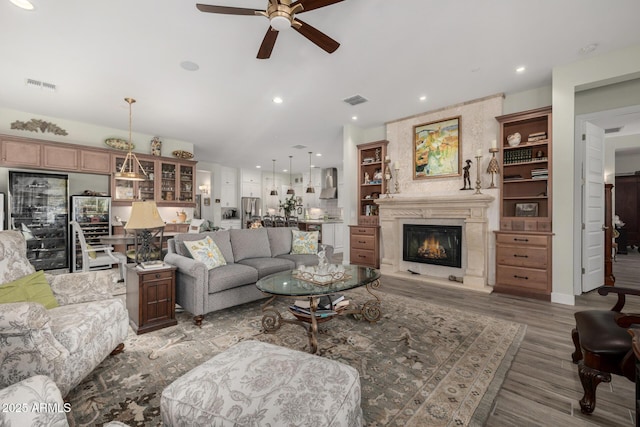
{"points": [[207, 252], [304, 242], [31, 288]]}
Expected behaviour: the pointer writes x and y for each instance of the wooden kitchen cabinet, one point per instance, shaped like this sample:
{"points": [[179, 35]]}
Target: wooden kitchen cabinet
{"points": [[123, 192], [364, 243], [56, 157], [95, 161], [21, 153], [523, 264], [151, 298]]}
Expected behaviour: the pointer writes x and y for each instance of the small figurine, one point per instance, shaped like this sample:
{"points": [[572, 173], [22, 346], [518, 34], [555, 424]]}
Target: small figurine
{"points": [[377, 175], [466, 179], [366, 177]]}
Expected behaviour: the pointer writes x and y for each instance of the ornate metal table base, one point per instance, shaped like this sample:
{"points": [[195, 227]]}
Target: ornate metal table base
{"points": [[272, 320]]}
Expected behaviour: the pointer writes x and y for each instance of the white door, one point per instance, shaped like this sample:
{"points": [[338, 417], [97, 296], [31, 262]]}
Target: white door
{"points": [[593, 209]]}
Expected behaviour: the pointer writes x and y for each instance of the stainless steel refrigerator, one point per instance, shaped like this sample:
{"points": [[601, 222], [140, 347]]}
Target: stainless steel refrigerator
{"points": [[38, 207], [249, 206], [93, 213]]}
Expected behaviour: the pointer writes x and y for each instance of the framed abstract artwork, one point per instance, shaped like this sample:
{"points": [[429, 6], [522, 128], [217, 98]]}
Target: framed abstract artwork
{"points": [[437, 149]]}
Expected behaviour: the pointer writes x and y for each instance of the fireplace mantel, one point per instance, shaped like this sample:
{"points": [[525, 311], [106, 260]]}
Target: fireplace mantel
{"points": [[470, 209]]}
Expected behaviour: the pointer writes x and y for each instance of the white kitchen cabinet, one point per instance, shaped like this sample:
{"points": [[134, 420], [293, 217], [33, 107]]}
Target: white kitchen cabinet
{"points": [[228, 187], [332, 234], [251, 183]]}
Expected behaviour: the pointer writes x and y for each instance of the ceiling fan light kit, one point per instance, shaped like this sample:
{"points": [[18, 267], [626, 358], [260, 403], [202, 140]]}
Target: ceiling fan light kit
{"points": [[282, 15]]}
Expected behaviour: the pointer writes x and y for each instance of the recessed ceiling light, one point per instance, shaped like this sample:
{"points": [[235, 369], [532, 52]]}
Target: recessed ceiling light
{"points": [[277, 100], [354, 118], [520, 69], [423, 98], [285, 170], [23, 4], [258, 166], [319, 154], [189, 66]]}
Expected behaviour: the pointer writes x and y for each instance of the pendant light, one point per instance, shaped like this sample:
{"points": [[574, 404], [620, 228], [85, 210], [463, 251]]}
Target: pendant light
{"points": [[290, 191], [274, 190], [310, 188], [126, 172]]}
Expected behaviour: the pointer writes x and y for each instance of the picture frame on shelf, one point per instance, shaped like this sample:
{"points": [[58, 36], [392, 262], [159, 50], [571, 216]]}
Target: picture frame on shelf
{"points": [[526, 209], [437, 149]]}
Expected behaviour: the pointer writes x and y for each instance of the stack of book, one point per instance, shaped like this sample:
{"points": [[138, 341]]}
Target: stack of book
{"points": [[328, 306], [151, 265], [537, 136], [541, 173], [517, 156]]}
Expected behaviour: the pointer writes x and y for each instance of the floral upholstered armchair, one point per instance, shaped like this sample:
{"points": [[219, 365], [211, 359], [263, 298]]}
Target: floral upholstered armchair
{"points": [[65, 342]]}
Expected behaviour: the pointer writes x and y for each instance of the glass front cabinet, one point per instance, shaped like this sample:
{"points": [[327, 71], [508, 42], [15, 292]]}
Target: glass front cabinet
{"points": [[169, 182]]}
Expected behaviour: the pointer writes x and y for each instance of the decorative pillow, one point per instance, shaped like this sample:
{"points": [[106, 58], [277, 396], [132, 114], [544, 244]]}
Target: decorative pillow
{"points": [[304, 242], [92, 253], [31, 288], [207, 252], [194, 226]]}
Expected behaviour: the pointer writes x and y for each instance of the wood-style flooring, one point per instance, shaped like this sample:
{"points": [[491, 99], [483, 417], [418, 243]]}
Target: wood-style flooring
{"points": [[542, 387], [626, 268]]}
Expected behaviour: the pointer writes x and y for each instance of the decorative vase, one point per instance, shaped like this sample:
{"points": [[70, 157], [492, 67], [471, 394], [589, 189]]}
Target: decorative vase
{"points": [[156, 146], [514, 139]]}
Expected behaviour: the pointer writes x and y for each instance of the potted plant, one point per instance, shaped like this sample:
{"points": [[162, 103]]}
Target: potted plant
{"points": [[288, 206]]}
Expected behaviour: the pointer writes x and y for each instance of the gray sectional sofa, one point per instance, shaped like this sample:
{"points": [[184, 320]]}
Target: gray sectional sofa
{"points": [[250, 255]]}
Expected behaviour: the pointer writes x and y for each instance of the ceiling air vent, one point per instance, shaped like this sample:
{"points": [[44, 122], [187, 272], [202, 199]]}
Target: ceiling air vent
{"points": [[37, 84], [355, 100], [299, 146], [613, 130]]}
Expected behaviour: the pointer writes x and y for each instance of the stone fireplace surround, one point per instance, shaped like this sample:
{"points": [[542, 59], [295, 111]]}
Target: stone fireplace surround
{"points": [[469, 210]]}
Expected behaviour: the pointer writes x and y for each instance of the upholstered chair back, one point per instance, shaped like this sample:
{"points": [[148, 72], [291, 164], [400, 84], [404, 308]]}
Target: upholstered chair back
{"points": [[13, 257]]}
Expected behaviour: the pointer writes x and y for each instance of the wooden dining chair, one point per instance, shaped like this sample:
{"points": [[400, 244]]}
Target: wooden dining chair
{"points": [[279, 221]]}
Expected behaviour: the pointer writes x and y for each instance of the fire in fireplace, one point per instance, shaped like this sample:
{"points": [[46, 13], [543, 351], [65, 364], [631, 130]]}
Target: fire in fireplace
{"points": [[432, 244]]}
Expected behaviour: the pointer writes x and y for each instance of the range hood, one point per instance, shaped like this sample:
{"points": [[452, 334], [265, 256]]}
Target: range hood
{"points": [[329, 184]]}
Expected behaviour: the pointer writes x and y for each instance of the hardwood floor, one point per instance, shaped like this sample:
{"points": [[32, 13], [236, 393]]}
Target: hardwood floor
{"points": [[542, 387], [626, 268]]}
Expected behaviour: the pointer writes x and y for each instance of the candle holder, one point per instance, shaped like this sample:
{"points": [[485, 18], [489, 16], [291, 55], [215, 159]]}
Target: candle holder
{"points": [[478, 175], [493, 167], [397, 184], [387, 177]]}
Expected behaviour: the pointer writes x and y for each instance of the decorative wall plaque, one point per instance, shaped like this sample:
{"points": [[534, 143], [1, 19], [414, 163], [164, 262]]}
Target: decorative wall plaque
{"points": [[35, 125]]}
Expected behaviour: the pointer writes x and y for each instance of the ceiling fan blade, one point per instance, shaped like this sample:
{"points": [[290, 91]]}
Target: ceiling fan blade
{"points": [[227, 10], [316, 36], [267, 44], [313, 4]]}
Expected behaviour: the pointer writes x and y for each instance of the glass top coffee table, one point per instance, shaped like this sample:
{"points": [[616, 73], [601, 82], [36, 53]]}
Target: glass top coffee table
{"points": [[290, 284]]}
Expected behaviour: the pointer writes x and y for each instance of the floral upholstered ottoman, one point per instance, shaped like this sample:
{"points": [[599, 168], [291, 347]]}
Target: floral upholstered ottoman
{"points": [[255, 383]]}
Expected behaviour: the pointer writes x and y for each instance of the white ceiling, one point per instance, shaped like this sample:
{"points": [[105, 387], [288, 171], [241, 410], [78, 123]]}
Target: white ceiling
{"points": [[391, 52]]}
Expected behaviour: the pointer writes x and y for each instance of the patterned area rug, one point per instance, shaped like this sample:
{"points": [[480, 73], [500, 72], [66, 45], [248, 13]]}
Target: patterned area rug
{"points": [[420, 364]]}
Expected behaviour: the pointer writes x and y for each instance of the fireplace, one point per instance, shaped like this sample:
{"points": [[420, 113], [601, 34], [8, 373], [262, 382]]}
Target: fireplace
{"points": [[432, 244]]}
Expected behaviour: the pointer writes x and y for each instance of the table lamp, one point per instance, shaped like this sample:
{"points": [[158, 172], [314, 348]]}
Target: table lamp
{"points": [[146, 222]]}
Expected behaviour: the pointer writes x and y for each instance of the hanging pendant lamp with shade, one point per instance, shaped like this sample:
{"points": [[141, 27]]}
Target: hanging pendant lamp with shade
{"points": [[127, 172], [290, 191], [310, 188], [274, 190]]}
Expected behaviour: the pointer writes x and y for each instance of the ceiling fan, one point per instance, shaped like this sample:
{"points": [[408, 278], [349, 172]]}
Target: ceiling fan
{"points": [[282, 15]]}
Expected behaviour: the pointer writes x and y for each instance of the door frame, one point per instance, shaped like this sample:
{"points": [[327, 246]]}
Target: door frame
{"points": [[579, 160]]}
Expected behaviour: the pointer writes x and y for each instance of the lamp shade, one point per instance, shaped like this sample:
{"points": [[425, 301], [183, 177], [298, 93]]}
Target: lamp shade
{"points": [[144, 215]]}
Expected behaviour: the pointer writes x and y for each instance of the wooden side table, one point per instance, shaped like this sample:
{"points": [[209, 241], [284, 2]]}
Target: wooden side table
{"points": [[151, 298]]}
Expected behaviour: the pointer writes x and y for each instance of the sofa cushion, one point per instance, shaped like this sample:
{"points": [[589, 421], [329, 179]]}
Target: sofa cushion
{"points": [[31, 288], [279, 240], [267, 266], [231, 276], [250, 243], [301, 259], [207, 252], [304, 242], [221, 238]]}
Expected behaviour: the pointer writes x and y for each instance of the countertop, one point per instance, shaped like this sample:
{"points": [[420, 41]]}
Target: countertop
{"points": [[320, 221]]}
